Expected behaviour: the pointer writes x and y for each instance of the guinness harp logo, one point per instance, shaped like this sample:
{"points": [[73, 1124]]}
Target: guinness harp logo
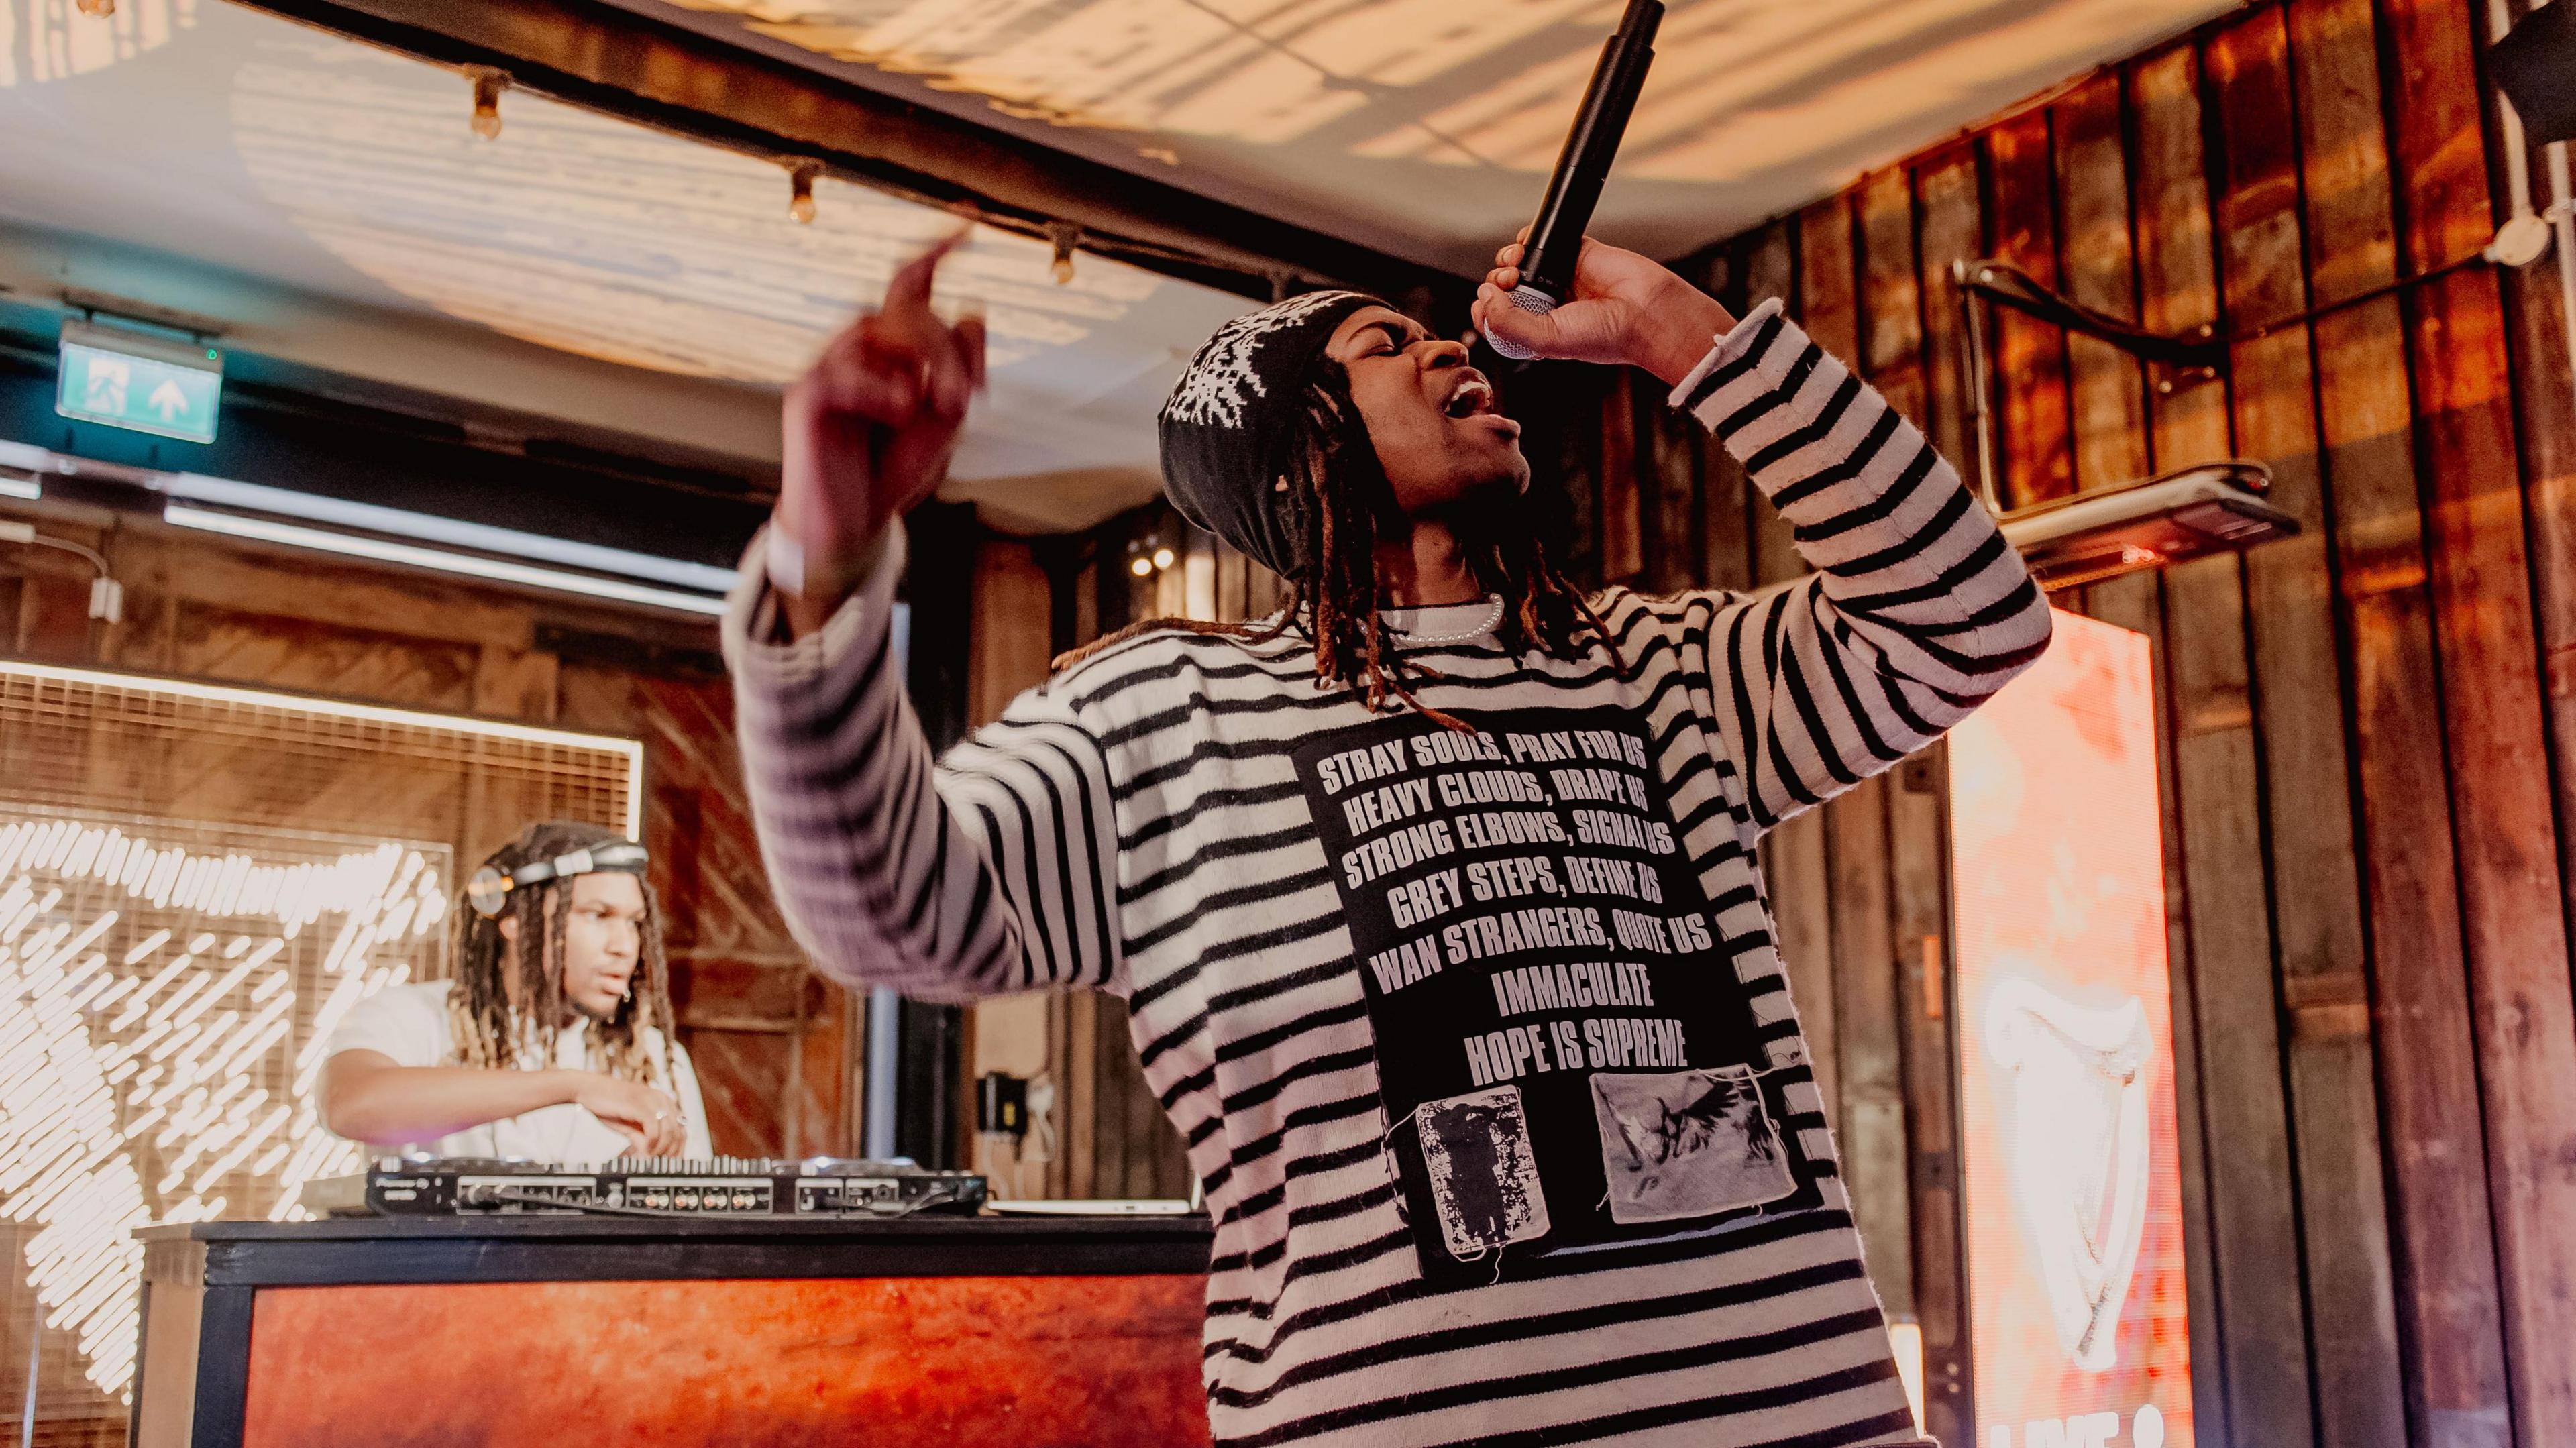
{"points": [[2074, 1083]]}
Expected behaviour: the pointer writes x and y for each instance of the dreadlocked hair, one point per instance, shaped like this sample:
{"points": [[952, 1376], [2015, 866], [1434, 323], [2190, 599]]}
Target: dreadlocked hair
{"points": [[492, 1033], [1338, 603]]}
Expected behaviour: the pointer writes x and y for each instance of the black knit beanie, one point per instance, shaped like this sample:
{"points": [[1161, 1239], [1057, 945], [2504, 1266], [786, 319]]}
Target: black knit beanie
{"points": [[1231, 422]]}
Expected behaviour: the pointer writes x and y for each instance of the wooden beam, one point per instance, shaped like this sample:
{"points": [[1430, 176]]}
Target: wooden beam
{"points": [[1771, 270], [2252, 1214], [1011, 636], [1725, 520], [1891, 298], [1671, 446], [2547, 404], [606, 58], [1079, 1173], [1828, 296], [2106, 390], [2452, 1367], [1870, 1040], [2315, 856], [2516, 930], [1953, 230], [2030, 355], [1623, 554]]}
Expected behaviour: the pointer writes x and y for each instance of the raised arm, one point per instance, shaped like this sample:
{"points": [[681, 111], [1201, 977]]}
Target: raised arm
{"points": [[1917, 611], [989, 872]]}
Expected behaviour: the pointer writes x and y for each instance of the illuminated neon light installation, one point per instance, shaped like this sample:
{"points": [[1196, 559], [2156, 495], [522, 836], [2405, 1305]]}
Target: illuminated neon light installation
{"points": [[174, 990], [197, 882]]}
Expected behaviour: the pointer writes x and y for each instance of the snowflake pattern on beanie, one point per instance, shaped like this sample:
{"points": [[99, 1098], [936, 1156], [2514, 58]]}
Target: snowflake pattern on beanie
{"points": [[1211, 393]]}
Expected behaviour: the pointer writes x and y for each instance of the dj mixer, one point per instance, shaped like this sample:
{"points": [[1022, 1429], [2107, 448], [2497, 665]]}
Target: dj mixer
{"points": [[715, 1187]]}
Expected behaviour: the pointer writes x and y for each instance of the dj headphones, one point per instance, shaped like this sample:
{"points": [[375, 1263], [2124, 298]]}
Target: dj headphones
{"points": [[490, 889]]}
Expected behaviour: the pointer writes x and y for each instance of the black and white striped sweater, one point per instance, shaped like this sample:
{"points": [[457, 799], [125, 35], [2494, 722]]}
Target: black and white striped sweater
{"points": [[1480, 1043]]}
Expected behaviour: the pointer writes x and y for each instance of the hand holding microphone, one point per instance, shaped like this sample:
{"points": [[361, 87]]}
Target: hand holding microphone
{"points": [[1618, 308]]}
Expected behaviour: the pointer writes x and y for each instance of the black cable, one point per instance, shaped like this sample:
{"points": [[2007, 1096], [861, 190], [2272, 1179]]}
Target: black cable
{"points": [[2356, 299]]}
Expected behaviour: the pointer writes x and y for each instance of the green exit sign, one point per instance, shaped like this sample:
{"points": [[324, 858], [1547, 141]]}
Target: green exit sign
{"points": [[137, 380]]}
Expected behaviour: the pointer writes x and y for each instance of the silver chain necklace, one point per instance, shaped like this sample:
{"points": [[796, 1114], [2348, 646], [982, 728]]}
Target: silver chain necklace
{"points": [[1493, 619]]}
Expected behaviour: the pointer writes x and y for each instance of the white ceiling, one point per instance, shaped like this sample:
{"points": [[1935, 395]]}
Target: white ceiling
{"points": [[330, 204], [1426, 128]]}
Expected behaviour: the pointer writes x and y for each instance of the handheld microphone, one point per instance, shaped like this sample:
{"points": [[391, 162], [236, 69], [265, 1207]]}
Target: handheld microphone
{"points": [[1556, 237]]}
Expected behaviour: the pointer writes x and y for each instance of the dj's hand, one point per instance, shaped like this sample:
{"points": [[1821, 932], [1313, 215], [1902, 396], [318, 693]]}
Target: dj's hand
{"points": [[650, 1119], [868, 431], [1626, 310]]}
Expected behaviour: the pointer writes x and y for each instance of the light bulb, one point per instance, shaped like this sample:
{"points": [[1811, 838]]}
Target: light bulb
{"points": [[1064, 234], [98, 9], [487, 100], [1140, 567], [800, 192], [1162, 558]]}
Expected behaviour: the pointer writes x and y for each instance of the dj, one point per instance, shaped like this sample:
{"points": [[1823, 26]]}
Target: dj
{"points": [[553, 1043], [1434, 898]]}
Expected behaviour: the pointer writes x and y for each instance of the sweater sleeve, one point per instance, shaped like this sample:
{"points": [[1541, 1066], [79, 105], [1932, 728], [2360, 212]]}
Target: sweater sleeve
{"points": [[1917, 610], [989, 871]]}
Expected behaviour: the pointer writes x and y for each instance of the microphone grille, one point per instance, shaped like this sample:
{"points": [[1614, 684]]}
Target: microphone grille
{"points": [[1528, 299]]}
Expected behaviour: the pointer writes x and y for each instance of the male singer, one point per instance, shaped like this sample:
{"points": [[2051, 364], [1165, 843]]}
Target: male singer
{"points": [[1433, 897]]}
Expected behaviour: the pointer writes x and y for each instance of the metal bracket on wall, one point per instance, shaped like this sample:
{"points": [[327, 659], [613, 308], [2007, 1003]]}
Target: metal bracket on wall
{"points": [[2200, 356], [2198, 352]]}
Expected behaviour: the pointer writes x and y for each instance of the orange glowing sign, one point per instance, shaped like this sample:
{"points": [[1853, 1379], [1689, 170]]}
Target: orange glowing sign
{"points": [[2078, 1326]]}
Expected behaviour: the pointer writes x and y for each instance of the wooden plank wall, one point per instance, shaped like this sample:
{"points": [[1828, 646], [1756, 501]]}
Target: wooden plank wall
{"points": [[776, 1048], [2368, 732]]}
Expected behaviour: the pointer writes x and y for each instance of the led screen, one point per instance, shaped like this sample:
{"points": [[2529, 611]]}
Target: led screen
{"points": [[2078, 1324]]}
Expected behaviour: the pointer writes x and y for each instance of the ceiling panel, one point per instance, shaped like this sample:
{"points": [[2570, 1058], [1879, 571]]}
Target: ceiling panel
{"points": [[239, 145], [302, 162], [1426, 127]]}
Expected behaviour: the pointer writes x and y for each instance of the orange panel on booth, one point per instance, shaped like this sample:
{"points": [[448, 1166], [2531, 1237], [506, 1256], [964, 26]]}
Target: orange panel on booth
{"points": [[909, 1332], [2078, 1332]]}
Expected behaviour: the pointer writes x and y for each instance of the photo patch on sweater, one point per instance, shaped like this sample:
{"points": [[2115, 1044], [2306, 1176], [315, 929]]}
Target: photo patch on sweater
{"points": [[1687, 1143], [1483, 1177], [1567, 1057]]}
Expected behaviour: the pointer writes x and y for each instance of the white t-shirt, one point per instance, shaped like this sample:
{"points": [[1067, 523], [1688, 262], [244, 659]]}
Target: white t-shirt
{"points": [[409, 1025]]}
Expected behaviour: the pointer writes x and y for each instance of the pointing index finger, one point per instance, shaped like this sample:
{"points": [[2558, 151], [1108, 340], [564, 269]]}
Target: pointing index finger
{"points": [[910, 288]]}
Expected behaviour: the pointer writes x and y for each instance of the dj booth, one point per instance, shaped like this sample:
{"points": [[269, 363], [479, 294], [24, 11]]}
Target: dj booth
{"points": [[504, 1329]]}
